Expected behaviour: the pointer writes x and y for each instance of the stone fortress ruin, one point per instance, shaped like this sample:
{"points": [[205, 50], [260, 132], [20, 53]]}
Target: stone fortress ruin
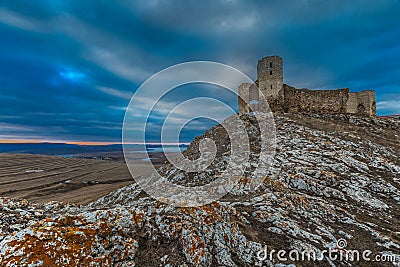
{"points": [[283, 98]]}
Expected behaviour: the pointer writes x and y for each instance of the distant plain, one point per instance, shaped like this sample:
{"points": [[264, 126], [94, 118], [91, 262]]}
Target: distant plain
{"points": [[68, 173]]}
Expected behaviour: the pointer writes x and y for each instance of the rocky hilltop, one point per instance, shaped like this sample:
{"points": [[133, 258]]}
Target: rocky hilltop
{"points": [[334, 177]]}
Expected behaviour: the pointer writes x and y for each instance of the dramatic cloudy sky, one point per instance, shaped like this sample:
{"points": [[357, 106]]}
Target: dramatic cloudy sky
{"points": [[69, 68]]}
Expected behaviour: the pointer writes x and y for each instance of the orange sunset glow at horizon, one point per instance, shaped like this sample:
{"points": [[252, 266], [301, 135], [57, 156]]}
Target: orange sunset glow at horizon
{"points": [[80, 143]]}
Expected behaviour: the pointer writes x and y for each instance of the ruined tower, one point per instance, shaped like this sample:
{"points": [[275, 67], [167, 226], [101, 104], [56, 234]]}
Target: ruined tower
{"points": [[270, 81], [269, 93]]}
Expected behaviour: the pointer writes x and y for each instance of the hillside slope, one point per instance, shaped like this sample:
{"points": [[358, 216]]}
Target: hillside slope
{"points": [[333, 178]]}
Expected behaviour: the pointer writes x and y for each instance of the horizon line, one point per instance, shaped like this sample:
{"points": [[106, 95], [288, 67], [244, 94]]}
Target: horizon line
{"points": [[83, 143]]}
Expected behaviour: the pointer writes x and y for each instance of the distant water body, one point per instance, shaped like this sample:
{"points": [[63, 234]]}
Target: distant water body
{"points": [[70, 150]]}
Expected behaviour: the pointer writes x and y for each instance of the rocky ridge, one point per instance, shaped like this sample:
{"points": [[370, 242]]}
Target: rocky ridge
{"points": [[332, 178]]}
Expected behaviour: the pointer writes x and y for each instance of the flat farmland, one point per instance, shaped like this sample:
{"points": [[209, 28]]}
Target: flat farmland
{"points": [[44, 178]]}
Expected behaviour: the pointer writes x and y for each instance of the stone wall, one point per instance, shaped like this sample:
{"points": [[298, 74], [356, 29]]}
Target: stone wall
{"points": [[339, 101], [315, 101], [362, 103]]}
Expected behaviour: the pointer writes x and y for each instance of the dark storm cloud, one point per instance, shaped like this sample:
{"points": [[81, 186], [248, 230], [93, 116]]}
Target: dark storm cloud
{"points": [[69, 68]]}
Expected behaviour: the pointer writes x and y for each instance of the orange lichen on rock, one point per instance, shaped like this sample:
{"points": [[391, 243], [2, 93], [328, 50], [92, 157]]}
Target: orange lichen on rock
{"points": [[68, 241], [137, 217], [201, 225], [299, 200], [276, 184], [54, 246], [244, 181], [195, 247]]}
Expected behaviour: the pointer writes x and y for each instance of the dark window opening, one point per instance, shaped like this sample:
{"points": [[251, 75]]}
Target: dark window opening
{"points": [[270, 73], [271, 86], [361, 109], [270, 64]]}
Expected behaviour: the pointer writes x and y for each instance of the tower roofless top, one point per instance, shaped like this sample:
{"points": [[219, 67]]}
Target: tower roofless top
{"points": [[275, 56]]}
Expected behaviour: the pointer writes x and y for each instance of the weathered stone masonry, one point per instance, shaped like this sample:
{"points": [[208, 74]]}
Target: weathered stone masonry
{"points": [[283, 98]]}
